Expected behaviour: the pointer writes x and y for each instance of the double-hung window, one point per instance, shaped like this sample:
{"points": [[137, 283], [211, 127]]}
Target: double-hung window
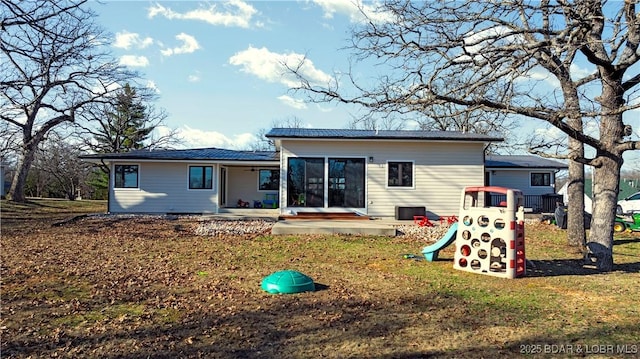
{"points": [[200, 177]]}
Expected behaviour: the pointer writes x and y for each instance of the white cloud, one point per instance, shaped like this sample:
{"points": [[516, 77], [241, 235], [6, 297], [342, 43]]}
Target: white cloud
{"points": [[152, 85], [234, 13], [134, 61], [196, 138], [356, 10], [550, 133], [194, 78], [292, 102], [272, 67], [126, 40], [189, 45]]}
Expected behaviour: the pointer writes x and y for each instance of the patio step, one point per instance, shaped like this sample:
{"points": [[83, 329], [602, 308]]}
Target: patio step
{"points": [[304, 226]]}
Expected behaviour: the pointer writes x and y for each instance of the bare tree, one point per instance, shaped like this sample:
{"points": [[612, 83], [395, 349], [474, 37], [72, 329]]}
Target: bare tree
{"points": [[57, 170], [500, 56], [52, 64], [265, 144]]}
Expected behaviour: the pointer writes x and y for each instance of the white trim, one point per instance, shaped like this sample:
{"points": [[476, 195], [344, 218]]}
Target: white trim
{"points": [[113, 177], [325, 185], [277, 169], [551, 179], [213, 177]]}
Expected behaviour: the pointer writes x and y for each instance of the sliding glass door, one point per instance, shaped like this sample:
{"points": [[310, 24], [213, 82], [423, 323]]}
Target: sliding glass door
{"points": [[305, 182], [345, 181]]}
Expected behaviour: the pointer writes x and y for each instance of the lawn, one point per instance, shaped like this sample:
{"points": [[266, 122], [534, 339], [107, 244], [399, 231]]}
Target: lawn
{"points": [[148, 286]]}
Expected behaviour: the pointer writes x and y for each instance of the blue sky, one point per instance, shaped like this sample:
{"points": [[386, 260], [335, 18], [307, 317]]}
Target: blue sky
{"points": [[216, 67], [216, 64]]}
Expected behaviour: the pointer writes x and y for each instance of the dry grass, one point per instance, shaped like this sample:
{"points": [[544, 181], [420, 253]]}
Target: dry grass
{"points": [[149, 287]]}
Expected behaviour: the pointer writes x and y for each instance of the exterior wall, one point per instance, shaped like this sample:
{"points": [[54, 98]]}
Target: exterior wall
{"points": [[163, 188], [521, 179], [441, 170], [242, 183]]}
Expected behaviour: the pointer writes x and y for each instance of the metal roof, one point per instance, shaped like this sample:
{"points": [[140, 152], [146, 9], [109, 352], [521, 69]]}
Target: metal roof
{"points": [[522, 161], [318, 133], [216, 154]]}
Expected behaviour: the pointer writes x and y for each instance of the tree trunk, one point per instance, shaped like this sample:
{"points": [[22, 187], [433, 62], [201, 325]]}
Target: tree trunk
{"points": [[16, 191], [576, 235], [605, 197], [607, 165]]}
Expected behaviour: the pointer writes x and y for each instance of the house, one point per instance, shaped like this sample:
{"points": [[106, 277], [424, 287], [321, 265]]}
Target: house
{"points": [[534, 176], [311, 170], [626, 189], [187, 181]]}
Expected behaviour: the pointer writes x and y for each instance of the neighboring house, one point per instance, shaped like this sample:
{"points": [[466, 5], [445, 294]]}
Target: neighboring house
{"points": [[312, 170], [627, 188], [534, 176]]}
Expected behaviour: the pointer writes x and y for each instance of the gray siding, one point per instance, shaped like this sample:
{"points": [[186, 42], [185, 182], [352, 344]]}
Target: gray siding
{"points": [[521, 179], [242, 183], [164, 188], [441, 170]]}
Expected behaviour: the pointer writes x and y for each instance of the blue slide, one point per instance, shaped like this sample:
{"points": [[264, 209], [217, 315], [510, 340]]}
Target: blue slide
{"points": [[431, 252]]}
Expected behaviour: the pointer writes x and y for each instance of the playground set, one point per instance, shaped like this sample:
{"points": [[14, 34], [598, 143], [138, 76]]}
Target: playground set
{"points": [[489, 239]]}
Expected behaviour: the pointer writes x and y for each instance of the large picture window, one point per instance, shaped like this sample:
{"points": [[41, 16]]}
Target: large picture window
{"points": [[400, 174], [269, 180], [125, 176], [540, 179], [200, 177]]}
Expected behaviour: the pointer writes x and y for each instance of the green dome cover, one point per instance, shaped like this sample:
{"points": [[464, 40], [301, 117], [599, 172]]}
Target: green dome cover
{"points": [[287, 282]]}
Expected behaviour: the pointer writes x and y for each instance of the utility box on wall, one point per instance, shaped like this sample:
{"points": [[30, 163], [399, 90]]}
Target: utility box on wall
{"points": [[407, 213]]}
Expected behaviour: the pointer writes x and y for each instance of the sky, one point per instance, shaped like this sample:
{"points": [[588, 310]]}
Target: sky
{"points": [[216, 65]]}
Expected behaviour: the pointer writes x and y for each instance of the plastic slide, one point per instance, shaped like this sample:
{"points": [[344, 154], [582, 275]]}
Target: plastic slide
{"points": [[431, 252]]}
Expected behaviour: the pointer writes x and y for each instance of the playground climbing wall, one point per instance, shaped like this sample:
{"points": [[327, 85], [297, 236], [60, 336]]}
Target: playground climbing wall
{"points": [[490, 239]]}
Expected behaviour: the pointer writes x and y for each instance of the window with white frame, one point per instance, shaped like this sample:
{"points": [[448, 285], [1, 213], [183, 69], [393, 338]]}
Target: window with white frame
{"points": [[200, 177], [269, 179], [540, 179], [125, 176], [400, 174]]}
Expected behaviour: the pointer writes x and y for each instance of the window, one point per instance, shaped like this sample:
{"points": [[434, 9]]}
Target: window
{"points": [[346, 182], [305, 182], [269, 180], [400, 174], [200, 177], [126, 176], [540, 179]]}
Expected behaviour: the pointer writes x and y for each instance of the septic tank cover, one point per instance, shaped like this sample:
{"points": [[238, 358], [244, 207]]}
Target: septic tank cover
{"points": [[287, 282]]}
